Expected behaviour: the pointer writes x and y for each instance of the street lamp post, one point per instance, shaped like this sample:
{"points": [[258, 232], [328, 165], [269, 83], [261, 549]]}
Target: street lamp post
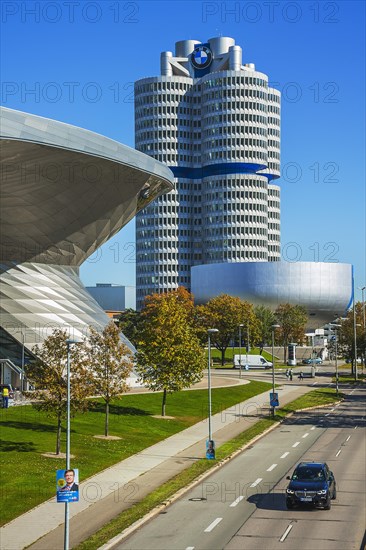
{"points": [[247, 342], [273, 327], [210, 331], [364, 322], [336, 327], [240, 327], [67, 511]]}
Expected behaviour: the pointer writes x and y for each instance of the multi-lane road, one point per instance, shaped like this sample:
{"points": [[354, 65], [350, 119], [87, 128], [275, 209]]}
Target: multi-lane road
{"points": [[242, 505]]}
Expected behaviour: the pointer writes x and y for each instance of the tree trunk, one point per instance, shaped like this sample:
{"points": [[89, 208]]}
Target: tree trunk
{"points": [[285, 354], [163, 404], [106, 425], [58, 434], [223, 356]]}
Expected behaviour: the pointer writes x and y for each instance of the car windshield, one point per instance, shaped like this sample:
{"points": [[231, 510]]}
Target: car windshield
{"points": [[308, 474]]}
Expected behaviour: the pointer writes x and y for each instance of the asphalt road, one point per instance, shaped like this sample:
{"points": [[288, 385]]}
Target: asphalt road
{"points": [[242, 505]]}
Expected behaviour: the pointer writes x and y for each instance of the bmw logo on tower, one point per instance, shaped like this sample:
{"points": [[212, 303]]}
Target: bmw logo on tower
{"points": [[201, 57]]}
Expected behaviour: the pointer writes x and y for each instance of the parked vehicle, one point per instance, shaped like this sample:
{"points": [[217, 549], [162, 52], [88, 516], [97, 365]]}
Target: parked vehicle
{"points": [[311, 483], [251, 362], [312, 361]]}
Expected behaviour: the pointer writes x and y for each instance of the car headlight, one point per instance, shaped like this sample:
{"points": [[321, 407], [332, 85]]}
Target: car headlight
{"points": [[290, 491], [322, 492]]}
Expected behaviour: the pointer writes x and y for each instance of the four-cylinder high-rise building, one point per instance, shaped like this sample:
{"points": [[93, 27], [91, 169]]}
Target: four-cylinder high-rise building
{"points": [[216, 123]]}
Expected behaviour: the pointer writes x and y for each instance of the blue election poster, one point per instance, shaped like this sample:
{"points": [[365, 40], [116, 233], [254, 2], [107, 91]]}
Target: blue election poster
{"points": [[67, 485]]}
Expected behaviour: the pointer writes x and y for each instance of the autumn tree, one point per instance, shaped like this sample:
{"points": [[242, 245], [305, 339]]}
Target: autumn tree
{"points": [[129, 323], [170, 357], [48, 373], [226, 313], [110, 363], [266, 318], [346, 337], [292, 320]]}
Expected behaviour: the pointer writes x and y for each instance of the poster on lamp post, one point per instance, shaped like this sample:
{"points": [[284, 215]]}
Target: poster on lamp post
{"points": [[210, 449], [273, 399], [67, 485]]}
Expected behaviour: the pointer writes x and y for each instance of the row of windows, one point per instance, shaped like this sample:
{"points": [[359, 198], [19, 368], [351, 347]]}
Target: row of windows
{"points": [[158, 86], [235, 243], [229, 106], [236, 155], [234, 93], [236, 255], [235, 118], [234, 81], [234, 230]]}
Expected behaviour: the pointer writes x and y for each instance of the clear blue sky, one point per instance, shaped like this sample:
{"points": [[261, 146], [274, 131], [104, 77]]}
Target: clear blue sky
{"points": [[314, 52]]}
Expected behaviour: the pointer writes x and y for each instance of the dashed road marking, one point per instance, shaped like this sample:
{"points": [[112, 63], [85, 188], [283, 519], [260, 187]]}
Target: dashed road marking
{"points": [[236, 501], [255, 483], [339, 452], [286, 532], [212, 525], [305, 435], [284, 455], [313, 428], [296, 444], [348, 438], [271, 467]]}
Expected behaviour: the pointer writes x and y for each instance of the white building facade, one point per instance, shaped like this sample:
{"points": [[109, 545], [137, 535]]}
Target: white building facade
{"points": [[216, 123]]}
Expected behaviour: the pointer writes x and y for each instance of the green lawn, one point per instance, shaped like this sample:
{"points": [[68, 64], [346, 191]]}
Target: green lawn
{"points": [[29, 478]]}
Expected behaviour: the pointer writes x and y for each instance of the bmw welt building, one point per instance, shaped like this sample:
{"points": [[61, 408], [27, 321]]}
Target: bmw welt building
{"points": [[64, 192], [215, 121]]}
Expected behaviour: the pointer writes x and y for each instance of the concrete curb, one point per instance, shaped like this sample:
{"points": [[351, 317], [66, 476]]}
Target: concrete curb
{"points": [[155, 511]]}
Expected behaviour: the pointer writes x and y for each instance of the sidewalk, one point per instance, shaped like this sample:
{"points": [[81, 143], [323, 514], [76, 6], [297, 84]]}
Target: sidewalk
{"points": [[106, 494]]}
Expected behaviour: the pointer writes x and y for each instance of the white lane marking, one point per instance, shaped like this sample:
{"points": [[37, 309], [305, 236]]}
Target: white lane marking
{"points": [[296, 444], [284, 455], [286, 533], [339, 452], [236, 501], [327, 414], [212, 525], [314, 383], [313, 428], [255, 483], [305, 435], [348, 438], [355, 428], [271, 468], [190, 548]]}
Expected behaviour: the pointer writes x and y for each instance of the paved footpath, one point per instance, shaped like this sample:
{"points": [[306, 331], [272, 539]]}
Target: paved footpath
{"points": [[108, 493]]}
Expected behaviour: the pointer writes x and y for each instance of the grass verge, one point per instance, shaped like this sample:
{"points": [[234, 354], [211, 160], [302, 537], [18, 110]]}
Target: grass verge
{"points": [[29, 478], [319, 397]]}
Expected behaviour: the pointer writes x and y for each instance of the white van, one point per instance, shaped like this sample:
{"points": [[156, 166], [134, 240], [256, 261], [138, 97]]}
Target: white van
{"points": [[251, 361]]}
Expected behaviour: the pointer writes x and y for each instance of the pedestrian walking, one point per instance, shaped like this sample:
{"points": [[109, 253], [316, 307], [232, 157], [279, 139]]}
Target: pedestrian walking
{"points": [[290, 374], [301, 376], [5, 398]]}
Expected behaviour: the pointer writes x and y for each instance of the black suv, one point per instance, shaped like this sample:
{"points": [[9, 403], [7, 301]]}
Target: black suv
{"points": [[311, 483]]}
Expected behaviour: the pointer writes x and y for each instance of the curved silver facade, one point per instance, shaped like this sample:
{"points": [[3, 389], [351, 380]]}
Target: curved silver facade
{"points": [[324, 289], [64, 192], [216, 123]]}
